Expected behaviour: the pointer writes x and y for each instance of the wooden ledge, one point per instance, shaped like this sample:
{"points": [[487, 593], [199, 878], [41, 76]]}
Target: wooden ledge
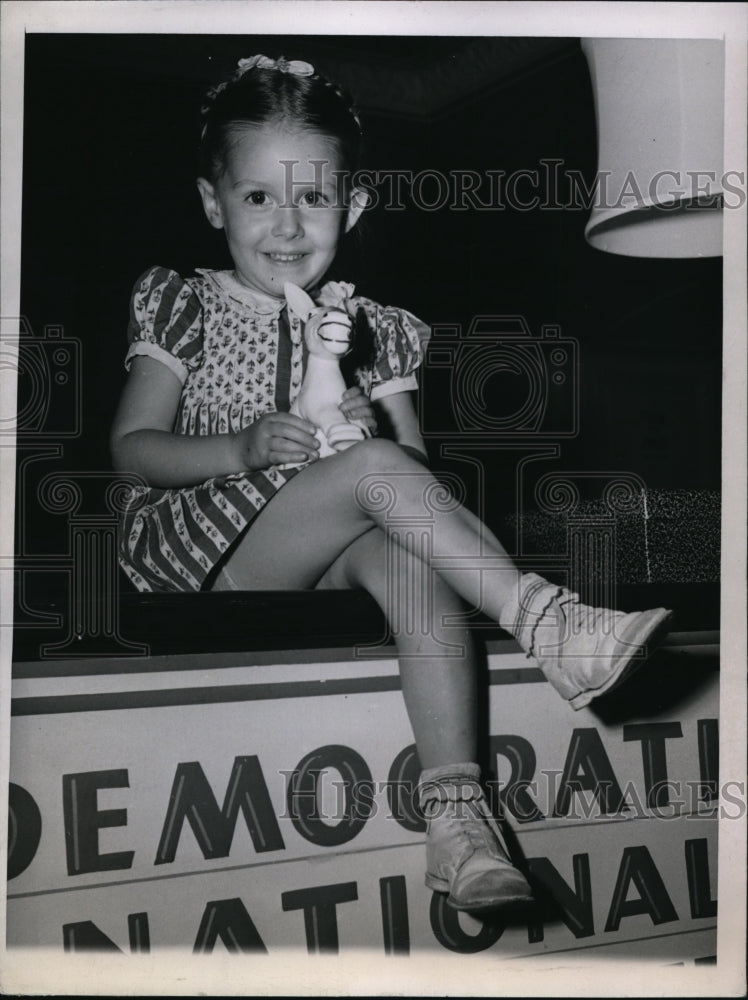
{"points": [[173, 624]]}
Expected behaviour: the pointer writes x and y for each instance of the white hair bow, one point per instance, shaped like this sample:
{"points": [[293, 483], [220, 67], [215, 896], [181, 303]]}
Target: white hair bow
{"points": [[295, 66]]}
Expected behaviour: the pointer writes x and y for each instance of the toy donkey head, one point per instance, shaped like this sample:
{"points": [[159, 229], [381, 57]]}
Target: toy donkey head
{"points": [[328, 330]]}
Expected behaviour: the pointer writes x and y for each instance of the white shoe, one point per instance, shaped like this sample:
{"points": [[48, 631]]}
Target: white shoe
{"points": [[466, 855], [583, 651]]}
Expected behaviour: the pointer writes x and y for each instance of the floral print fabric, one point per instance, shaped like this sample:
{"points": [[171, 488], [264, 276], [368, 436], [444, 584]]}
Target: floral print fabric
{"points": [[232, 349]]}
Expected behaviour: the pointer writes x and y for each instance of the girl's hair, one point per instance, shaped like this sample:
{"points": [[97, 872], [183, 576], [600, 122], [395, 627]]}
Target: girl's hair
{"points": [[264, 90]]}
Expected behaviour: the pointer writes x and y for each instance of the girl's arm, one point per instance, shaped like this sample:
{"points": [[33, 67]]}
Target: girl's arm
{"points": [[142, 439], [402, 418]]}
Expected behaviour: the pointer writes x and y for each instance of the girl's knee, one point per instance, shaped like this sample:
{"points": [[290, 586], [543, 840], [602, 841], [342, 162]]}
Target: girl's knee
{"points": [[376, 474], [377, 461], [383, 476], [377, 455]]}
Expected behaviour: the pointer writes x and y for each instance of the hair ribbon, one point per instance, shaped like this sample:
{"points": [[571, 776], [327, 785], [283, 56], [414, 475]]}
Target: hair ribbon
{"points": [[297, 67]]}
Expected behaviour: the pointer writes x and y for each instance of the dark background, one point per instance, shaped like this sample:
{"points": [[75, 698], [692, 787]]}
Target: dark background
{"points": [[110, 126]]}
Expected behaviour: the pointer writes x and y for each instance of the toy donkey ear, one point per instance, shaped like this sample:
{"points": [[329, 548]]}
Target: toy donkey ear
{"points": [[298, 300]]}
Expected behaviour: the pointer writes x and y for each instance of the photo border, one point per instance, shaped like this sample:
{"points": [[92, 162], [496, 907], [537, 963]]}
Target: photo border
{"points": [[37, 971]]}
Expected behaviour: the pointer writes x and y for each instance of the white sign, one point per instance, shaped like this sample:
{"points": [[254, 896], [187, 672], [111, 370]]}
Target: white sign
{"points": [[214, 803]]}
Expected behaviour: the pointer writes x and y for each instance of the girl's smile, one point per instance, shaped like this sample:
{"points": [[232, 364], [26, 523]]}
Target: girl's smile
{"points": [[281, 203]]}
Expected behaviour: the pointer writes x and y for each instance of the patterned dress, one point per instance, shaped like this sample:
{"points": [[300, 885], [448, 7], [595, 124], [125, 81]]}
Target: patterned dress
{"points": [[238, 355]]}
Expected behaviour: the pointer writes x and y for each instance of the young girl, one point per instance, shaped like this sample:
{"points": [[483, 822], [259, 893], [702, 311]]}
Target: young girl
{"points": [[215, 363]]}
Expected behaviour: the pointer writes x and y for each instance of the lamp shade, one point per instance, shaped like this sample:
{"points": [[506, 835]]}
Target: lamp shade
{"points": [[659, 107]]}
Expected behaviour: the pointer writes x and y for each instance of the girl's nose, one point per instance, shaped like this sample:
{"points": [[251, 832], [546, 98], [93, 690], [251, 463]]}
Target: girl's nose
{"points": [[287, 222]]}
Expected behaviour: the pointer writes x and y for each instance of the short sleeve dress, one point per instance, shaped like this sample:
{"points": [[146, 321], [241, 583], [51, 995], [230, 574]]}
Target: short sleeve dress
{"points": [[238, 355]]}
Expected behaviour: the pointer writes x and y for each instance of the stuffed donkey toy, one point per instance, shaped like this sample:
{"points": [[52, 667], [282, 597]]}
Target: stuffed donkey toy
{"points": [[328, 332]]}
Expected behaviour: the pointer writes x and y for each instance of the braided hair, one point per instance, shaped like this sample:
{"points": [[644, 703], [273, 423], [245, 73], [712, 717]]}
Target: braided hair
{"points": [[264, 91]]}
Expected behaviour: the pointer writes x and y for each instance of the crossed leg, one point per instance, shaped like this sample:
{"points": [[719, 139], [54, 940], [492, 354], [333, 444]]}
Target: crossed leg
{"points": [[331, 503], [317, 532]]}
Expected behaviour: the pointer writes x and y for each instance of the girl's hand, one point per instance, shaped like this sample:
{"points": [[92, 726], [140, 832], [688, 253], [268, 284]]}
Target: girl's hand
{"points": [[275, 439], [356, 405]]}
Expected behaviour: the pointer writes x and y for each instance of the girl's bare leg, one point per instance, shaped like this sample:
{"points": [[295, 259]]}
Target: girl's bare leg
{"points": [[437, 662], [316, 531], [320, 512]]}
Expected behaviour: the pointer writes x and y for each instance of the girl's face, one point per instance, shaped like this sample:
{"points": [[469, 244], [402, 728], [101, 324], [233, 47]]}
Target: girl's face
{"points": [[281, 205]]}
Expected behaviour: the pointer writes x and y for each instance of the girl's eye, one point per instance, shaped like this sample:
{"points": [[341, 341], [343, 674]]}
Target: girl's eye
{"points": [[314, 198], [258, 198]]}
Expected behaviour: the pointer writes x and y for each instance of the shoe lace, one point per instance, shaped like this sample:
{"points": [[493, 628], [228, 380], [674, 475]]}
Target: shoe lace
{"points": [[575, 616], [467, 795], [483, 814], [593, 621]]}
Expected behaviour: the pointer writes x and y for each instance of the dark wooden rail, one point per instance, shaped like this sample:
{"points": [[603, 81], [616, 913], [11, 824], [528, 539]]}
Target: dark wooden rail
{"points": [[269, 620]]}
